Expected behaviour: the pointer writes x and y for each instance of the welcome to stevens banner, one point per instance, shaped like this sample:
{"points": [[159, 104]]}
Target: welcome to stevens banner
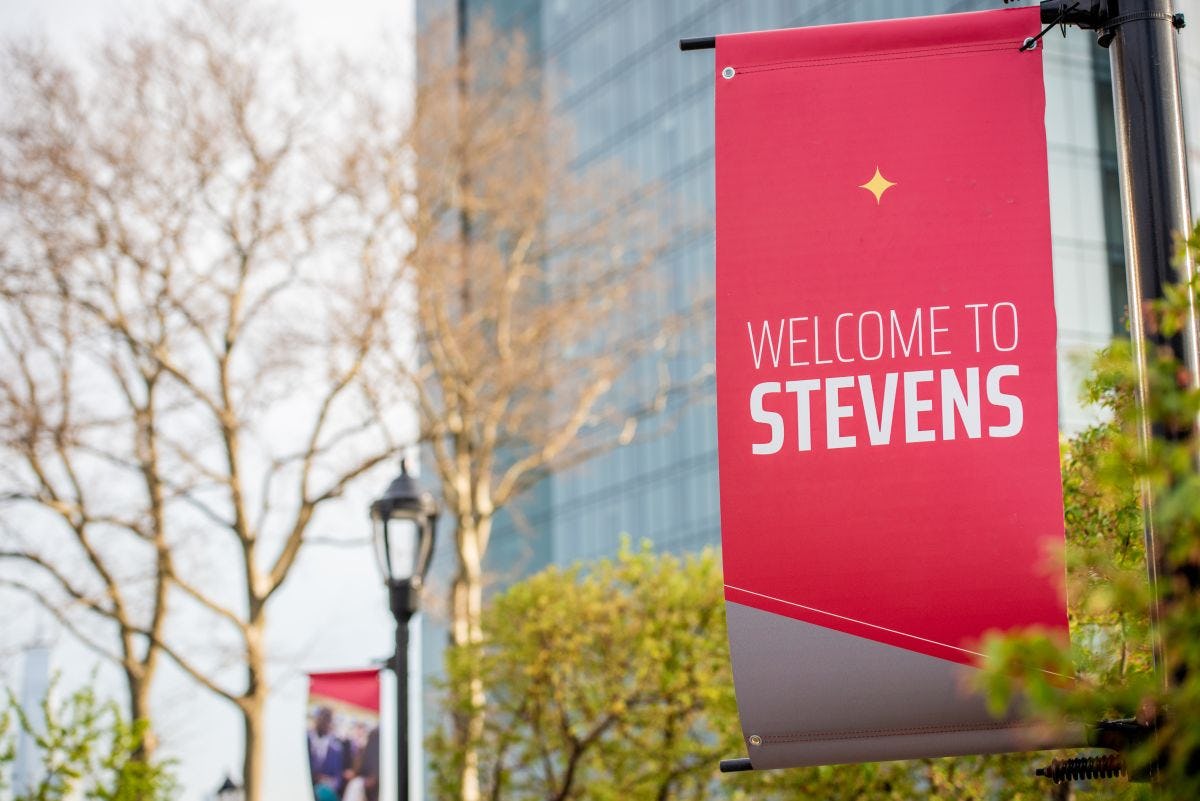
{"points": [[886, 380]]}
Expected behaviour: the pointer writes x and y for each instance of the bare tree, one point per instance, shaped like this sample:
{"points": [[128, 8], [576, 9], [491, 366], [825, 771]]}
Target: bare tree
{"points": [[530, 292], [189, 316], [225, 275]]}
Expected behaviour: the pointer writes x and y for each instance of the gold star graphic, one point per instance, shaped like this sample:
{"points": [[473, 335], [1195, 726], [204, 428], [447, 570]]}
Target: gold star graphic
{"points": [[877, 185]]}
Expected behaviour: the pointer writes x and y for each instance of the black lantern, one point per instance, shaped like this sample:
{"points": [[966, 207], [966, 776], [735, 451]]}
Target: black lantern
{"points": [[404, 521]]}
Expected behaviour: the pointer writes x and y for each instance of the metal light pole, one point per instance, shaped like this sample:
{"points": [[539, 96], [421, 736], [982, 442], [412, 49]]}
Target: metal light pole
{"points": [[404, 522], [1154, 198], [1156, 212], [1154, 193]]}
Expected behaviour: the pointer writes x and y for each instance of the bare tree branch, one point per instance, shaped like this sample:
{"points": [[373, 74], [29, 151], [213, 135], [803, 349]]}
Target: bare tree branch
{"points": [[63, 619], [183, 268]]}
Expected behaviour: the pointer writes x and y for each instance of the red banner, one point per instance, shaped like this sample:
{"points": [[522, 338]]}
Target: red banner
{"points": [[343, 735], [886, 378]]}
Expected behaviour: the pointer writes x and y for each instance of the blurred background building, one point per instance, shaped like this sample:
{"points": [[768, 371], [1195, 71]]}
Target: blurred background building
{"points": [[613, 68]]}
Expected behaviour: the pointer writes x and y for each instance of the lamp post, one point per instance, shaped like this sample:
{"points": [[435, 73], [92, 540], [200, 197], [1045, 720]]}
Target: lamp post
{"points": [[404, 520]]}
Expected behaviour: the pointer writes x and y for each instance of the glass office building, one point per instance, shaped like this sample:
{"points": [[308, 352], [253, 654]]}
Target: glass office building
{"points": [[613, 68]]}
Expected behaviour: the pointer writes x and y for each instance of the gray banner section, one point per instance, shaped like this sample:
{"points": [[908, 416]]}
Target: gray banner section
{"points": [[808, 695]]}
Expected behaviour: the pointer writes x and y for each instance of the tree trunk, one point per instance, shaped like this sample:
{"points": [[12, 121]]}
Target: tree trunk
{"points": [[252, 758], [467, 631], [251, 705], [139, 713]]}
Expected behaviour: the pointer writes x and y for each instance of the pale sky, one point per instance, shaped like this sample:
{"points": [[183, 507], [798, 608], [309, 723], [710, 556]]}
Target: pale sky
{"points": [[332, 612]]}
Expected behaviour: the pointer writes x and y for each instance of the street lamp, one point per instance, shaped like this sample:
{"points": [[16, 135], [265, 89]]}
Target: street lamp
{"points": [[404, 520]]}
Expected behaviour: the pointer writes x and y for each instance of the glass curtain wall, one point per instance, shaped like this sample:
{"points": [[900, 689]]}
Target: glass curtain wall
{"points": [[613, 68]]}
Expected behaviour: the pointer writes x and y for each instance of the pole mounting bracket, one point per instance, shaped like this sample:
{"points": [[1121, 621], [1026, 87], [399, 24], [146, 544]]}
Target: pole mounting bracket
{"points": [[1101, 16], [1032, 41]]}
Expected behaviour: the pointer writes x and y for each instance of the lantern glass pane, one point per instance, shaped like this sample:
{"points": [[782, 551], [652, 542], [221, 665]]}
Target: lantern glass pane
{"points": [[378, 533], [403, 536]]}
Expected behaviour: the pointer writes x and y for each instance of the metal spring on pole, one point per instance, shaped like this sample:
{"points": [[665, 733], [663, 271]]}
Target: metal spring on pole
{"points": [[1108, 766]]}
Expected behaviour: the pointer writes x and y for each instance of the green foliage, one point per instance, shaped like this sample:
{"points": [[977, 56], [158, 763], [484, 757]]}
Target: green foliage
{"points": [[601, 684], [8, 747], [85, 749], [1105, 471], [612, 681]]}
